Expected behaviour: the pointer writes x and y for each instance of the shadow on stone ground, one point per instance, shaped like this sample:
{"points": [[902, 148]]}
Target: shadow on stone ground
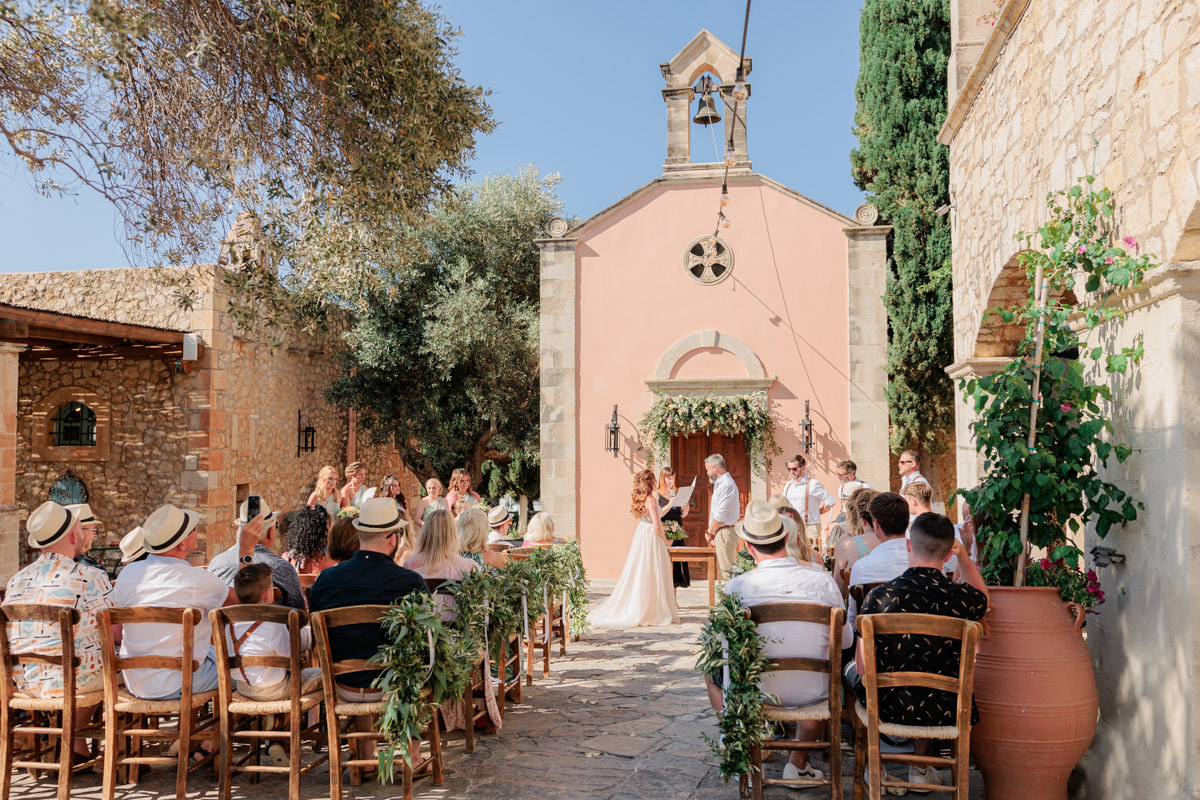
{"points": [[621, 716]]}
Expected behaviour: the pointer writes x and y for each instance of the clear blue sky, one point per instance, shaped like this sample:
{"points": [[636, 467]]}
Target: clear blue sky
{"points": [[576, 89]]}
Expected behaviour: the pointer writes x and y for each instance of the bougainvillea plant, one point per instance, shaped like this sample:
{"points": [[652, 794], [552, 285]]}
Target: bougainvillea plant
{"points": [[1084, 270]]}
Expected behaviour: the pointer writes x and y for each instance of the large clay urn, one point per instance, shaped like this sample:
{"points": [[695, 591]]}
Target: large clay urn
{"points": [[1036, 695]]}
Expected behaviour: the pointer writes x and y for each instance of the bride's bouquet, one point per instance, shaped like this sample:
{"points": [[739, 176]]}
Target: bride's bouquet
{"points": [[674, 530]]}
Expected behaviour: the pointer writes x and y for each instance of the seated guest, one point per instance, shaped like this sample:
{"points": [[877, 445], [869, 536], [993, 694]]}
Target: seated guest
{"points": [[863, 539], [540, 532], [91, 526], [919, 496], [132, 546], [780, 578], [56, 579], [166, 579], [343, 540], [889, 514], [922, 589], [499, 520], [798, 547], [842, 528], [308, 539], [472, 539], [370, 577], [253, 584], [437, 549], [225, 565]]}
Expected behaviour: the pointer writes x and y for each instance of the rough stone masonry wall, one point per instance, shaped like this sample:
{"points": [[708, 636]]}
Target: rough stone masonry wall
{"points": [[1129, 75], [148, 440], [137, 296]]}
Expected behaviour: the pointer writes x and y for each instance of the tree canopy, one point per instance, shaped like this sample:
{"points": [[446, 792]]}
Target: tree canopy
{"points": [[901, 94], [444, 359], [337, 122]]}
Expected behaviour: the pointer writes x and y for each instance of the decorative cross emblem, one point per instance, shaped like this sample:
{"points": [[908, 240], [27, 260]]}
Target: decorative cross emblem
{"points": [[709, 260]]}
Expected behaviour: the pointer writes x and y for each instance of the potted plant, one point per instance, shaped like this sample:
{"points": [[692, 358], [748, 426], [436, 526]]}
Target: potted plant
{"points": [[1044, 434]]}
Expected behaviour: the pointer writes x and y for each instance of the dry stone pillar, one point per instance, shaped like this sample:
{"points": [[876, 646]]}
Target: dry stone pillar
{"points": [[679, 125], [867, 256], [559, 481], [10, 515]]}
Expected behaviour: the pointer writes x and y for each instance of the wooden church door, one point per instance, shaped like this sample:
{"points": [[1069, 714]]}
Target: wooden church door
{"points": [[687, 458]]}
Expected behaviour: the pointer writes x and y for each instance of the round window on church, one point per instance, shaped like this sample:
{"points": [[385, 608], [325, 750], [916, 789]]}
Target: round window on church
{"points": [[708, 260]]}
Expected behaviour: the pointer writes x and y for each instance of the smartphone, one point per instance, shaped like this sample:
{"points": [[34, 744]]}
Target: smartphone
{"points": [[252, 507]]}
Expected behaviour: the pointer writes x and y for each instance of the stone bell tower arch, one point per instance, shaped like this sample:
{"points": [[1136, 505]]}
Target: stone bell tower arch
{"points": [[705, 53]]}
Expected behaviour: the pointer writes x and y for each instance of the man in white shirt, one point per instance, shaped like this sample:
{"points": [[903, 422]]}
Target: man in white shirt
{"points": [[847, 473], [724, 508], [165, 579], [909, 467], [889, 515], [808, 496], [779, 578]]}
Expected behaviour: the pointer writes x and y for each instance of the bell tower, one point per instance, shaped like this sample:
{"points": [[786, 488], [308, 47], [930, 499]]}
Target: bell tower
{"points": [[687, 79]]}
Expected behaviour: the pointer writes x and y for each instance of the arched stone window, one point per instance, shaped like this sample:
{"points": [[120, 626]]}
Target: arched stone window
{"points": [[71, 424], [74, 426]]}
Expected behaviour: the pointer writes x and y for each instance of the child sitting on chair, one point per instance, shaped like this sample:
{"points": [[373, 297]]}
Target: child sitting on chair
{"points": [[252, 584]]}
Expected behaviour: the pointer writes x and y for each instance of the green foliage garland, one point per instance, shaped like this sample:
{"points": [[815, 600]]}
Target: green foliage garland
{"points": [[748, 415], [487, 598], [560, 568], [404, 659], [1077, 251], [901, 94], [730, 639]]}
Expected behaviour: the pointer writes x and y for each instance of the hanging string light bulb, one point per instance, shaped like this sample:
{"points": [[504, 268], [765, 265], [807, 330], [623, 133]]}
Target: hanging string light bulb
{"points": [[740, 93]]}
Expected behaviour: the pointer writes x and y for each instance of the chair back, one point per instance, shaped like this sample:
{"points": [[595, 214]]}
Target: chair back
{"points": [[499, 547], [434, 584], [325, 621], [520, 553], [141, 615], [860, 591], [965, 632], [66, 619], [308, 580], [832, 616], [228, 659]]}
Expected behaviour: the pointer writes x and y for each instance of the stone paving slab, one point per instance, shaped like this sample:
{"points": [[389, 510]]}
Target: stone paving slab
{"points": [[620, 717]]}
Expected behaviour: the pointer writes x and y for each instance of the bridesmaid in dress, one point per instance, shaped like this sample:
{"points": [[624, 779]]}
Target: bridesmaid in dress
{"points": [[666, 490]]}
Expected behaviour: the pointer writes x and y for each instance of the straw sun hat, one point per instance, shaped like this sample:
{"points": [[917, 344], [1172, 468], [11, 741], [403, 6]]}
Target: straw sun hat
{"points": [[761, 524], [379, 515], [167, 527], [48, 523]]}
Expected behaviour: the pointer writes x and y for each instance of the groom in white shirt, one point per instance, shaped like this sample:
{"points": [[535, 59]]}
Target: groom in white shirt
{"points": [[723, 511]]}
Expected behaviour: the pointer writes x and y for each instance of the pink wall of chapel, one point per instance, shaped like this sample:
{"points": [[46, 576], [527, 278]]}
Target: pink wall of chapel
{"points": [[786, 300]]}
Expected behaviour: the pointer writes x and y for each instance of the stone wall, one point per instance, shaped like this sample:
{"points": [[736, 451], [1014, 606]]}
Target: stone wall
{"points": [[148, 441], [1051, 78], [136, 296]]}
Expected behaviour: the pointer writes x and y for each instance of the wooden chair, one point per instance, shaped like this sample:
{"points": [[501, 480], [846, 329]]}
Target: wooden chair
{"points": [[128, 718], [828, 710], [43, 710], [860, 591], [323, 622], [474, 706], [551, 627], [868, 727], [239, 712]]}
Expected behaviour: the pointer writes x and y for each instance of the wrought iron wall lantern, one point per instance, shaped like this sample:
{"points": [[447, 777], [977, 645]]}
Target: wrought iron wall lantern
{"points": [[1106, 556], [806, 434], [306, 436], [612, 435]]}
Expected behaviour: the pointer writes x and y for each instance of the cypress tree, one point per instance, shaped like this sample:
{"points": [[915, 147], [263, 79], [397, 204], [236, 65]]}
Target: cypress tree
{"points": [[901, 95]]}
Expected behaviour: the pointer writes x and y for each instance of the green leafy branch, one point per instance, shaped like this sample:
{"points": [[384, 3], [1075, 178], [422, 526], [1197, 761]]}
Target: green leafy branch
{"points": [[747, 415]]}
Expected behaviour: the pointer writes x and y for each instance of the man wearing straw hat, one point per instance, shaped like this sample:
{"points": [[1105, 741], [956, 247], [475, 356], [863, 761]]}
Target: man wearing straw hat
{"points": [[226, 565], [55, 578], [166, 579], [370, 577], [89, 523], [499, 520], [779, 578]]}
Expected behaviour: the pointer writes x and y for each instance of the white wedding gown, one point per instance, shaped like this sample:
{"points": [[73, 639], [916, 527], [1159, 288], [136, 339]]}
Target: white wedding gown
{"points": [[644, 594]]}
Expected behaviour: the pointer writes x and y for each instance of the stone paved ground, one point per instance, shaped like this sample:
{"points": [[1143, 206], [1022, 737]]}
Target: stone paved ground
{"points": [[620, 717]]}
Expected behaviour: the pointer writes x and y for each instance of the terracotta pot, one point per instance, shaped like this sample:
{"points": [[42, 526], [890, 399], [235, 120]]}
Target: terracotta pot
{"points": [[1036, 694]]}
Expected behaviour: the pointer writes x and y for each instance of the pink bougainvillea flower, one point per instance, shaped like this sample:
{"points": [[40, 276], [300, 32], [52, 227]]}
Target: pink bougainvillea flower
{"points": [[1081, 250], [1130, 242], [1108, 260], [1065, 407]]}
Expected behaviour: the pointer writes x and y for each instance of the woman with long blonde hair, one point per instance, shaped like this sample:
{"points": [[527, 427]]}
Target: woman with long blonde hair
{"points": [[437, 555], [460, 489], [798, 546], [325, 494], [473, 532], [643, 594]]}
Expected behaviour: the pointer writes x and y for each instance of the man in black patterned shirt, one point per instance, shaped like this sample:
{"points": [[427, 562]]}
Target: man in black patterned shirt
{"points": [[923, 589]]}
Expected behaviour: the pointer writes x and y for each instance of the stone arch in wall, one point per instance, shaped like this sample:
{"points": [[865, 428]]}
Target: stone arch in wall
{"points": [[995, 337], [709, 338], [42, 445]]}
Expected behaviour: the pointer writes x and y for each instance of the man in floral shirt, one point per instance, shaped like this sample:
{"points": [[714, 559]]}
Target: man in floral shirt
{"points": [[56, 579]]}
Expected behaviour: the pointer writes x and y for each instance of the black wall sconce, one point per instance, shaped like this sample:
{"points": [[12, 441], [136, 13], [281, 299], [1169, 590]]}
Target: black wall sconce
{"points": [[1106, 556], [806, 436], [612, 435], [306, 436]]}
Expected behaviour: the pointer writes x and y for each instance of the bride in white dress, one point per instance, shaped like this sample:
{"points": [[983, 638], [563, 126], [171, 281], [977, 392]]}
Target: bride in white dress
{"points": [[644, 594]]}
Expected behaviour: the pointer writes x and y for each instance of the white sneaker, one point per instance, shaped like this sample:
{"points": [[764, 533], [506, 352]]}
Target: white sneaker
{"points": [[793, 773], [926, 775], [277, 755], [894, 791]]}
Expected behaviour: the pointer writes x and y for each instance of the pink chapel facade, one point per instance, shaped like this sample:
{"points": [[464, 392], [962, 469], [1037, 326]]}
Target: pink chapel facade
{"points": [[797, 314]]}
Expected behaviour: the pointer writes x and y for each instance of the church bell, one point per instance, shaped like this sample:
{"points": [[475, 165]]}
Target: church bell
{"points": [[707, 113]]}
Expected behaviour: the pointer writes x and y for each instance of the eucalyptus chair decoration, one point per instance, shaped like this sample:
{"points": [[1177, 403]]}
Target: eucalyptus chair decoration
{"points": [[731, 648], [424, 663]]}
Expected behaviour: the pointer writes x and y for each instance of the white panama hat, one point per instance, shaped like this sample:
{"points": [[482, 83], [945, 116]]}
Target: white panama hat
{"points": [[167, 527], [761, 524], [132, 546], [379, 515], [49, 522]]}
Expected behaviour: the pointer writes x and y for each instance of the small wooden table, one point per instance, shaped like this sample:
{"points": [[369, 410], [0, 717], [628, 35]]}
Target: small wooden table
{"points": [[707, 555]]}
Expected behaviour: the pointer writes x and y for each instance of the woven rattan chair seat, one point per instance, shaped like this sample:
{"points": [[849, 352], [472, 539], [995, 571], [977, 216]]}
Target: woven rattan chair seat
{"points": [[244, 705], [909, 731], [357, 709], [128, 704], [817, 710], [28, 702]]}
